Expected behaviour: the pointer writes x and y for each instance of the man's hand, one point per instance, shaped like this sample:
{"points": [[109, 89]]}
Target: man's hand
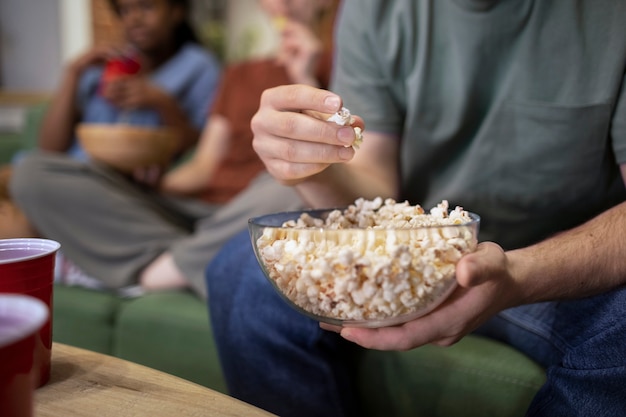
{"points": [[485, 288], [292, 135]]}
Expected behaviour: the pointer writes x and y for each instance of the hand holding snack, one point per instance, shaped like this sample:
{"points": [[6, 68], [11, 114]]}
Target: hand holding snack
{"points": [[98, 55], [343, 117], [293, 137], [299, 50], [133, 92], [485, 287]]}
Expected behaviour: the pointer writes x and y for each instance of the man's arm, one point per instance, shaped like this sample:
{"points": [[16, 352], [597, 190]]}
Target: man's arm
{"points": [[369, 174], [581, 262]]}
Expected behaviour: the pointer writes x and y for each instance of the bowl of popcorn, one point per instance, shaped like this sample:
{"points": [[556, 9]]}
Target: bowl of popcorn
{"points": [[127, 147], [374, 263]]}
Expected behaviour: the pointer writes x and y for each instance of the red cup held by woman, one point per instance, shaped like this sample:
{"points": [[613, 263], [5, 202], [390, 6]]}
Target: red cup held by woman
{"points": [[120, 66]]}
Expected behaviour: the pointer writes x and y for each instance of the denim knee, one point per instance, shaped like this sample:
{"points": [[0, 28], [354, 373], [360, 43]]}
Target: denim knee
{"points": [[273, 356], [581, 343]]}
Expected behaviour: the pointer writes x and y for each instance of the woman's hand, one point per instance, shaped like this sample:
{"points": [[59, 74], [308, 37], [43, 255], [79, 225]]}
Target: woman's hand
{"points": [[292, 136], [300, 50], [133, 92], [149, 176], [94, 56], [486, 286]]}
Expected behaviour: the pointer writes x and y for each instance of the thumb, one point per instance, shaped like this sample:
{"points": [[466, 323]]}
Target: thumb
{"points": [[485, 263]]}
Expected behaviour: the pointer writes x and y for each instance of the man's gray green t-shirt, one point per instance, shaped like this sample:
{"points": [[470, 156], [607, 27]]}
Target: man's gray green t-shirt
{"points": [[513, 109]]}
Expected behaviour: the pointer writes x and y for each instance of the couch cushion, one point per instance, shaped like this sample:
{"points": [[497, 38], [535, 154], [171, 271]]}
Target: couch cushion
{"points": [[475, 377], [178, 324], [14, 142], [84, 318]]}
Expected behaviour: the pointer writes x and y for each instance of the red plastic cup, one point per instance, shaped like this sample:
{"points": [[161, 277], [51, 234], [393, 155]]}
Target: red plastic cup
{"points": [[121, 66], [27, 267], [21, 318]]}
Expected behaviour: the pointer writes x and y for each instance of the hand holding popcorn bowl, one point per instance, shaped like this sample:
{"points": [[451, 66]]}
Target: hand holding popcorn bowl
{"points": [[375, 264]]}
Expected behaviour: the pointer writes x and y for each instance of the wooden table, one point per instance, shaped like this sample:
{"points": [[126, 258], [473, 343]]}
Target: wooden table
{"points": [[85, 383]]}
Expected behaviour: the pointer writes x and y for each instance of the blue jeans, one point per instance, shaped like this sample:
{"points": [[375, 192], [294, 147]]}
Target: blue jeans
{"points": [[279, 360]]}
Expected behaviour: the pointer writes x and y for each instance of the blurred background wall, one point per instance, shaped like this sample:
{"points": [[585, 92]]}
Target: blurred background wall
{"points": [[30, 44]]}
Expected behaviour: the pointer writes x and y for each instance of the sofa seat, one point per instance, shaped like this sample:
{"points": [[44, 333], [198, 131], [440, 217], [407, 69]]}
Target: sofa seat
{"points": [[475, 377], [170, 331]]}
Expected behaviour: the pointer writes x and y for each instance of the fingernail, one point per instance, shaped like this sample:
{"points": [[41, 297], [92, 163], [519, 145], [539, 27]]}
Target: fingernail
{"points": [[332, 103], [346, 135], [347, 334], [346, 153]]}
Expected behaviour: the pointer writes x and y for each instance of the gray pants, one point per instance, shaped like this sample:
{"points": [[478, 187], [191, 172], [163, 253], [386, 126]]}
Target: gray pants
{"points": [[112, 227]]}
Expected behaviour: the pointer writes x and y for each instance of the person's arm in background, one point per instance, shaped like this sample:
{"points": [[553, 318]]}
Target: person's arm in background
{"points": [[192, 177], [300, 52], [62, 114]]}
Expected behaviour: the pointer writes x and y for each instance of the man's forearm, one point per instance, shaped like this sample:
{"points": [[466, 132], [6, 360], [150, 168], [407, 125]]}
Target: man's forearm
{"points": [[369, 174], [585, 261], [339, 186]]}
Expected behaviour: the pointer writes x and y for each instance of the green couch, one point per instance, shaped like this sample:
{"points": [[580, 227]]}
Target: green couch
{"points": [[170, 331]]}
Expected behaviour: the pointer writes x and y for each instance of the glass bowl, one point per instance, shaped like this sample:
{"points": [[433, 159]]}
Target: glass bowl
{"points": [[360, 277]]}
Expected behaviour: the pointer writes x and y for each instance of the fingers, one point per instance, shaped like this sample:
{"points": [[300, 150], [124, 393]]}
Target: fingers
{"points": [[298, 97], [444, 326], [399, 338], [148, 175], [302, 127], [292, 135], [128, 92], [484, 289], [330, 327], [289, 161], [487, 262]]}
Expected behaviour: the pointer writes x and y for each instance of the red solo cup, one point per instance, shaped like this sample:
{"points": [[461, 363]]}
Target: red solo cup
{"points": [[21, 318], [121, 66], [27, 267]]}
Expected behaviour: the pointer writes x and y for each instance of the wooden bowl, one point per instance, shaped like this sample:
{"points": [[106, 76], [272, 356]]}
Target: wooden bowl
{"points": [[126, 147]]}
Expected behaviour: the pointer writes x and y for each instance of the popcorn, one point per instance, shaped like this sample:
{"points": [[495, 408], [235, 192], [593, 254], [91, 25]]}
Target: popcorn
{"points": [[375, 260], [344, 117], [279, 23]]}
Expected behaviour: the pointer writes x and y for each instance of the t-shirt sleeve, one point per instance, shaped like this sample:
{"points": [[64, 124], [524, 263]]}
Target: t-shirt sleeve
{"points": [[618, 126], [88, 85], [360, 76], [200, 96], [192, 76], [224, 94]]}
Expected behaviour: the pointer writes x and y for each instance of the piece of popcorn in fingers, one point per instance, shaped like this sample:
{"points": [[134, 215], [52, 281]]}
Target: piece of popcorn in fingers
{"points": [[343, 117]]}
